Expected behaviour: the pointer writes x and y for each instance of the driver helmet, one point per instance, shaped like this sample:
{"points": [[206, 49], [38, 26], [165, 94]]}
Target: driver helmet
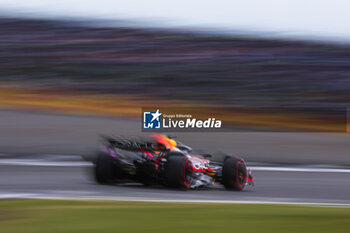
{"points": [[164, 141]]}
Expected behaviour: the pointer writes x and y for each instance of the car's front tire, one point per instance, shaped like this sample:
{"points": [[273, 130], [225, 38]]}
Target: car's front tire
{"points": [[234, 173]]}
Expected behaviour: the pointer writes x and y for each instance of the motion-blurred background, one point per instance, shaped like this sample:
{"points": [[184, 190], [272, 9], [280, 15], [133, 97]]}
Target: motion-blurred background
{"points": [[278, 72]]}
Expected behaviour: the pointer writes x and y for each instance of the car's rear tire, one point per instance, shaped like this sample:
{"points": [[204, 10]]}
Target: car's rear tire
{"points": [[104, 169], [179, 172], [234, 173]]}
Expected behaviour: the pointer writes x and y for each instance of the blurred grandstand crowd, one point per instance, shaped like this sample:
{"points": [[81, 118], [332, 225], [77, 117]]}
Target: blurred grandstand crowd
{"points": [[178, 65]]}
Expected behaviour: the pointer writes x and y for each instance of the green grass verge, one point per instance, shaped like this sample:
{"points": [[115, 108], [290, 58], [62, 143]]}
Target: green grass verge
{"points": [[115, 216]]}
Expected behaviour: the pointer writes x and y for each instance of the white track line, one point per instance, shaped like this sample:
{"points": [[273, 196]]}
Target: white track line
{"points": [[34, 162], [297, 169], [136, 199]]}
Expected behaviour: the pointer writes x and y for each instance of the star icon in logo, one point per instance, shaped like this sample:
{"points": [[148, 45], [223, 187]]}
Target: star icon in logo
{"points": [[156, 115]]}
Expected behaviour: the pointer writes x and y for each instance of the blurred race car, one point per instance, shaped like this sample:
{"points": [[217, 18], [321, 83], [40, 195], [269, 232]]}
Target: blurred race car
{"points": [[160, 159]]}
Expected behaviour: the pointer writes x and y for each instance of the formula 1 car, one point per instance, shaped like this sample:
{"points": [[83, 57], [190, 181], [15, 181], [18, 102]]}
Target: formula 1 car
{"points": [[162, 160]]}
